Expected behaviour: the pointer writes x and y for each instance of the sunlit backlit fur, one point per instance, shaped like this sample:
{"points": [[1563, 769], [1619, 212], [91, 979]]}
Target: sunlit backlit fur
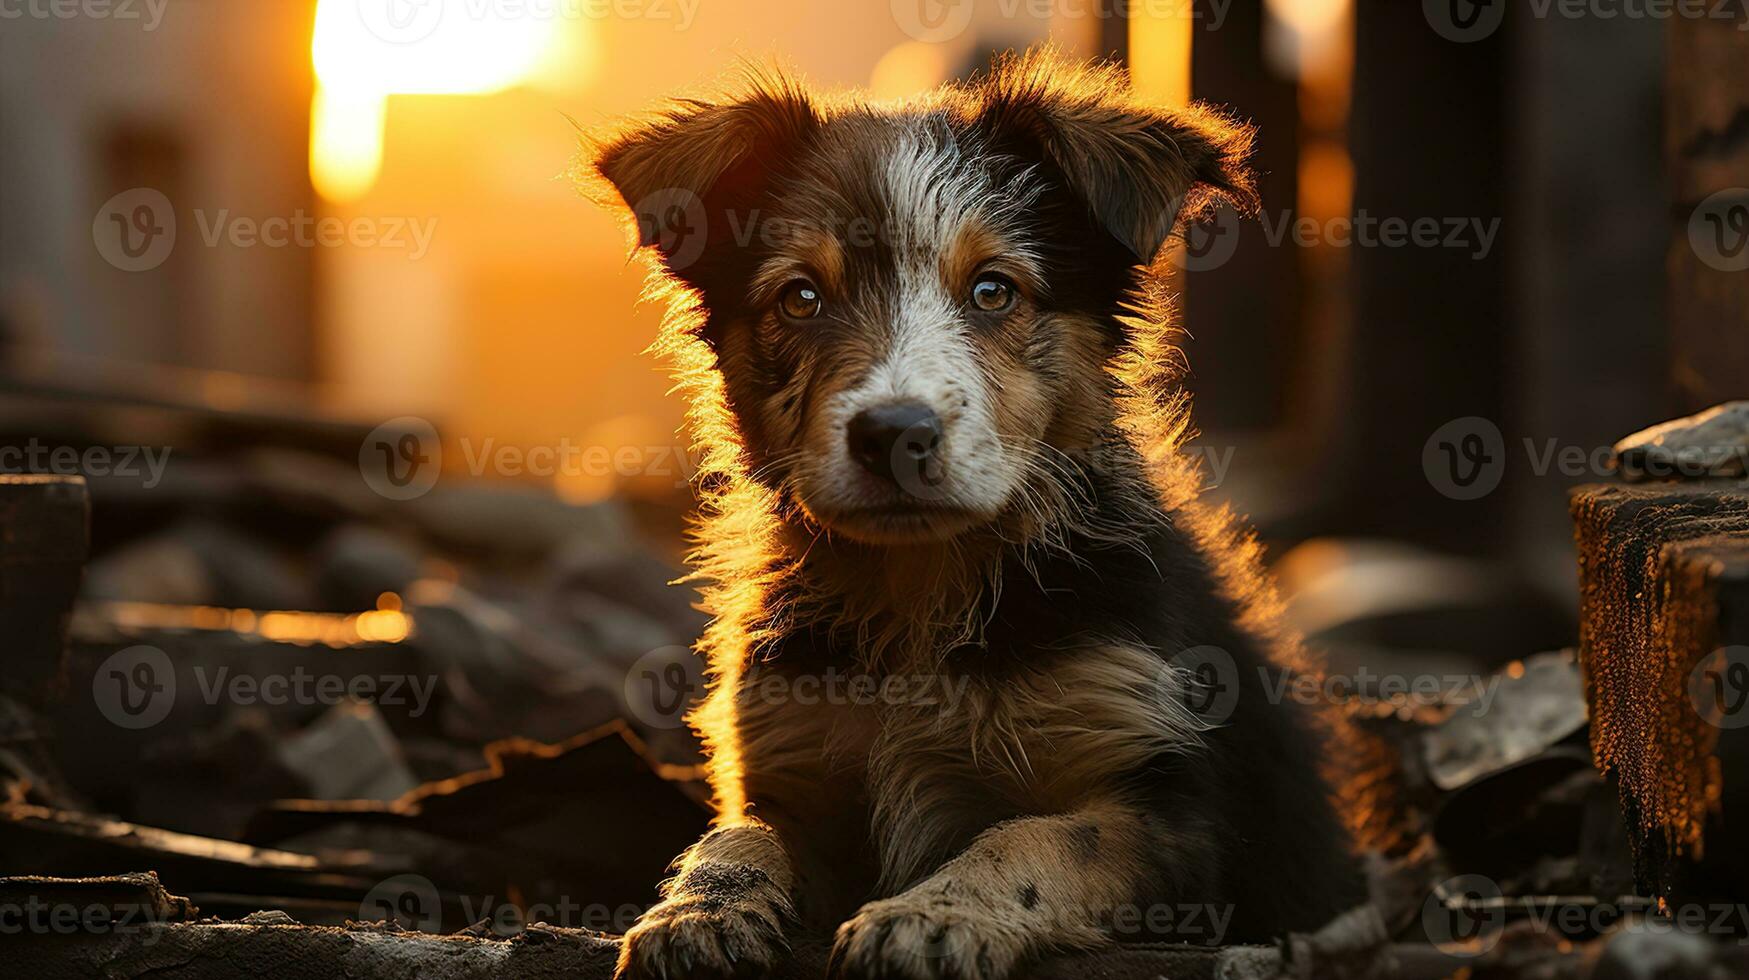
{"points": [[1048, 572]]}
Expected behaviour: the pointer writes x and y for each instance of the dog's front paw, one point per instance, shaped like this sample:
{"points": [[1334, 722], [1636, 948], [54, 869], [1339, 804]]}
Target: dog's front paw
{"points": [[706, 938], [925, 938]]}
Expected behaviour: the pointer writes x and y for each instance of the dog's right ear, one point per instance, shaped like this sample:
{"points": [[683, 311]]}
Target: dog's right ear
{"points": [[685, 173], [1138, 167]]}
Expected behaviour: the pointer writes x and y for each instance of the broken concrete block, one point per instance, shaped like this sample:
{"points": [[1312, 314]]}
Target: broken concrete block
{"points": [[1708, 444], [1664, 644], [349, 754], [1534, 704]]}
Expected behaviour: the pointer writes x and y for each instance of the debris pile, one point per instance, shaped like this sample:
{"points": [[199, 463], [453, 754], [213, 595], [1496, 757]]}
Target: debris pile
{"points": [[282, 721]]}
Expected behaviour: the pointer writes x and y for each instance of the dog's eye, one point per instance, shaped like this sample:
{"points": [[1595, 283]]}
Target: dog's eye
{"points": [[993, 293], [800, 300]]}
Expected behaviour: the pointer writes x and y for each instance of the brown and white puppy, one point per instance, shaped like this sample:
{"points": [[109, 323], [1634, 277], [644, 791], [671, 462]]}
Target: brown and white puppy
{"points": [[932, 377]]}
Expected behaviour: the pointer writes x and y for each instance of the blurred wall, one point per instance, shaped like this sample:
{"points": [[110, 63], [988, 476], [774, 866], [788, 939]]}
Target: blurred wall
{"points": [[206, 102]]}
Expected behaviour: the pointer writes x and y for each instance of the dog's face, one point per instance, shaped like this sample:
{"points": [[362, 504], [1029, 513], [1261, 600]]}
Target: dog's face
{"points": [[913, 308]]}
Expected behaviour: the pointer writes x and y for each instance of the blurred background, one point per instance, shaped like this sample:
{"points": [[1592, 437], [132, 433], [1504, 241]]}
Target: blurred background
{"points": [[323, 259]]}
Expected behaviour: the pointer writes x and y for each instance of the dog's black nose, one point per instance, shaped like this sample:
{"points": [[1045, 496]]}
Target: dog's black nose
{"points": [[891, 441]]}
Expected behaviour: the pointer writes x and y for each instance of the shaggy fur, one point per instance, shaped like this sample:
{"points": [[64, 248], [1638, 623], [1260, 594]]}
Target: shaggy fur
{"points": [[1040, 585]]}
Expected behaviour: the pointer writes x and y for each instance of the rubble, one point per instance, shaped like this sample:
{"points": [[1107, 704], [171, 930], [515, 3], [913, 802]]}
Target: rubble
{"points": [[1712, 443], [349, 754], [477, 827], [142, 931], [1536, 705]]}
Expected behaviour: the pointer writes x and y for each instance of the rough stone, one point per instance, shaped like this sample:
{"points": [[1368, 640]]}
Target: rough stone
{"points": [[1708, 444]]}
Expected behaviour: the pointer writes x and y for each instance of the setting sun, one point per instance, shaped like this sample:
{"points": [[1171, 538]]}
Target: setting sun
{"points": [[364, 53]]}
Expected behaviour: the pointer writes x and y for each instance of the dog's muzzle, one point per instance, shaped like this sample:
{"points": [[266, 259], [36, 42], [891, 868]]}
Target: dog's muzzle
{"points": [[899, 443]]}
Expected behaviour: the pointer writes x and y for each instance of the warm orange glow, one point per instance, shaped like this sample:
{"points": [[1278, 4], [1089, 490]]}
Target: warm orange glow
{"points": [[1326, 179], [381, 626], [443, 48], [466, 49], [301, 628], [911, 68], [1160, 56], [1307, 35], [346, 142], [1310, 17]]}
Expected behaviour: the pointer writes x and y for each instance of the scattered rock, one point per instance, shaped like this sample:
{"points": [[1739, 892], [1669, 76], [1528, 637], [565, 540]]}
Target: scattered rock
{"points": [[1521, 713], [349, 754], [1713, 443]]}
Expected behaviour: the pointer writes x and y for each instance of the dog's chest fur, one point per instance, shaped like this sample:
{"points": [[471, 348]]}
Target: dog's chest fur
{"points": [[919, 765]]}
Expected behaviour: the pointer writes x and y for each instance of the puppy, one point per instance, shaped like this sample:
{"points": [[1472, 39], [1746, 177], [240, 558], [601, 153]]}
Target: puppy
{"points": [[933, 382]]}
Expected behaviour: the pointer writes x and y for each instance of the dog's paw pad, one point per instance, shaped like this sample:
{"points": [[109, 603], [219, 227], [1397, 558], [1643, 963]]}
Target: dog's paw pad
{"points": [[926, 941], [683, 940]]}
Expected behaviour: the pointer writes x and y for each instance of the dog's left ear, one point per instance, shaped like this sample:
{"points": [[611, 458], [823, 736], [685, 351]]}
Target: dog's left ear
{"points": [[1139, 168], [704, 157]]}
